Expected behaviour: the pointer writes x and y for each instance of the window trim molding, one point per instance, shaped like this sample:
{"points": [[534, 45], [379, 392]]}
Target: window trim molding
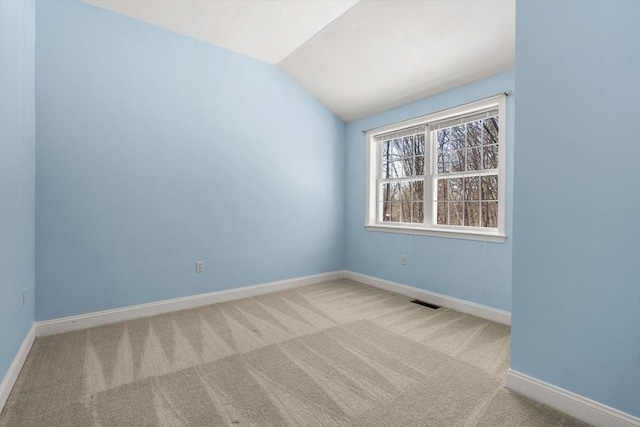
{"points": [[488, 235]]}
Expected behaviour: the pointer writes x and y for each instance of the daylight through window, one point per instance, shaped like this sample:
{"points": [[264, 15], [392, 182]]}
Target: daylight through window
{"points": [[441, 174]]}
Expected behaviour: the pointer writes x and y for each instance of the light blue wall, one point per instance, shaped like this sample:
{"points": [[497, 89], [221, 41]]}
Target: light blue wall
{"points": [[17, 175], [156, 150], [474, 271], [576, 266]]}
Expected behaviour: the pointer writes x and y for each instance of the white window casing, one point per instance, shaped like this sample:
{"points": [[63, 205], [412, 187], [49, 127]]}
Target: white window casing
{"points": [[425, 177]]}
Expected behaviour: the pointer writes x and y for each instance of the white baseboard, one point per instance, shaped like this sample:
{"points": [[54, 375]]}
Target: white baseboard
{"points": [[572, 404], [16, 366], [478, 310], [99, 318], [565, 401]]}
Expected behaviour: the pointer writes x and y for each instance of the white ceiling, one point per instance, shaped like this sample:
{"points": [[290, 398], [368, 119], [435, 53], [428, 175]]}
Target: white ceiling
{"points": [[357, 57], [381, 54], [267, 30]]}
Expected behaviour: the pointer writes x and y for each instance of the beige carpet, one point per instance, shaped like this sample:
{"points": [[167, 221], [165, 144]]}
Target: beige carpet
{"points": [[337, 353]]}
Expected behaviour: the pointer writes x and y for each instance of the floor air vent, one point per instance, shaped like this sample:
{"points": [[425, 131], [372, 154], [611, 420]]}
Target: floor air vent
{"points": [[426, 304]]}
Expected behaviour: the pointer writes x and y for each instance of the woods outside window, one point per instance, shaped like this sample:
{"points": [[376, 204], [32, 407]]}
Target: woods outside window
{"points": [[440, 174]]}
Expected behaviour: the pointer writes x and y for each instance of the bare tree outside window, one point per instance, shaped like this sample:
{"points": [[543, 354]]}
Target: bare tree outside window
{"points": [[403, 176], [467, 179], [441, 174]]}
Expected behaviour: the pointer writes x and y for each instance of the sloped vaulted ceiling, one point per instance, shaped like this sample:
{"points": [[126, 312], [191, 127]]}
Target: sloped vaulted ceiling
{"points": [[357, 57]]}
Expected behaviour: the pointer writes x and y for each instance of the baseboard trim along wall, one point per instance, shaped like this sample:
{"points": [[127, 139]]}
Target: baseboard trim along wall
{"points": [[16, 366], [463, 306], [565, 401], [572, 404], [99, 318]]}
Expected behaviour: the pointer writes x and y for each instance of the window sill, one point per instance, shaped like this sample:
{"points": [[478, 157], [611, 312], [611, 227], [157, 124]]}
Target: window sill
{"points": [[453, 234]]}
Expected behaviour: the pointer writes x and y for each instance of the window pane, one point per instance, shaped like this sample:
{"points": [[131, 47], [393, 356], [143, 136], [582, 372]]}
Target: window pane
{"points": [[457, 161], [385, 172], [490, 157], [474, 134], [386, 211], [490, 214], [417, 188], [442, 189], [418, 145], [489, 187], [443, 140], [397, 148], [474, 159], [404, 191], [385, 151], [418, 212], [442, 213], [386, 192], [395, 212], [419, 165], [407, 145], [397, 169], [394, 195], [408, 166], [472, 188], [456, 213], [394, 192], [455, 189], [391, 150], [458, 137], [472, 214], [490, 134], [405, 206], [444, 165]]}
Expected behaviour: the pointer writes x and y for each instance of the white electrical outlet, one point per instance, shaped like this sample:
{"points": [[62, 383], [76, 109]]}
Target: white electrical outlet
{"points": [[403, 259], [199, 266], [24, 297]]}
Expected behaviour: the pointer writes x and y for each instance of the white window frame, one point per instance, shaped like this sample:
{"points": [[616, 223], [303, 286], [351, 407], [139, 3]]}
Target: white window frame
{"points": [[374, 161]]}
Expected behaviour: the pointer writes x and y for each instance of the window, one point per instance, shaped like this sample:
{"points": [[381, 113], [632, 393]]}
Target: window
{"points": [[441, 174]]}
